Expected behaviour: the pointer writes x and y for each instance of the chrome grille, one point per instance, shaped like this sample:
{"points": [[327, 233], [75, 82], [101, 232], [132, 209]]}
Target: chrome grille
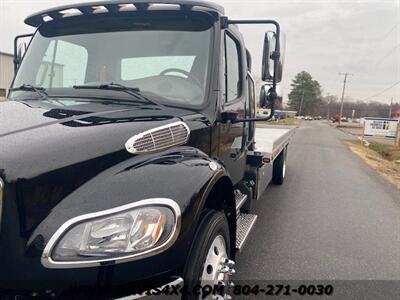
{"points": [[159, 138]]}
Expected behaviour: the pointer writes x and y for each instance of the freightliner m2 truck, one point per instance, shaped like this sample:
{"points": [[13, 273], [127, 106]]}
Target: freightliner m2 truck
{"points": [[129, 154]]}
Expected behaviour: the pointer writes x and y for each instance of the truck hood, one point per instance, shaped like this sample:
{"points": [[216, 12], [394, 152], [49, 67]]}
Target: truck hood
{"points": [[38, 137], [49, 149]]}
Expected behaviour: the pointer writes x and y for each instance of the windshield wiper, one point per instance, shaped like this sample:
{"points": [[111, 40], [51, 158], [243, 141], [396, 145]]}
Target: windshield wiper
{"points": [[30, 88], [135, 92]]}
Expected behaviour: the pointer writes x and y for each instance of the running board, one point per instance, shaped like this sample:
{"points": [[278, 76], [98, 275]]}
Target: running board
{"points": [[240, 200], [244, 225]]}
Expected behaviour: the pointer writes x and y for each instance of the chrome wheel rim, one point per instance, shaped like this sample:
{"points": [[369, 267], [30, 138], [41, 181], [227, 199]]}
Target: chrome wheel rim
{"points": [[215, 271]]}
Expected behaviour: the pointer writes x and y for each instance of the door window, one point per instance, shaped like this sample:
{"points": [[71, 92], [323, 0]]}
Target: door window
{"points": [[232, 69]]}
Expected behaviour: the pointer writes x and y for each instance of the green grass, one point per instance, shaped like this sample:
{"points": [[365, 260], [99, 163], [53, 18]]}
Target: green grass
{"points": [[382, 149], [287, 121], [352, 125], [388, 152]]}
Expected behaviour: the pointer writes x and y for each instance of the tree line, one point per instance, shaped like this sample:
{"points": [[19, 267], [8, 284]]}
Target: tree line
{"points": [[306, 98]]}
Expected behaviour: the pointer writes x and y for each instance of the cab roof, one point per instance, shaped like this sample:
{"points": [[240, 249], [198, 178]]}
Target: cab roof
{"points": [[118, 6]]}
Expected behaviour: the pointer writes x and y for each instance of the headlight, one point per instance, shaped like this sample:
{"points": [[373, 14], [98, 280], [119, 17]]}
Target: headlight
{"points": [[120, 234]]}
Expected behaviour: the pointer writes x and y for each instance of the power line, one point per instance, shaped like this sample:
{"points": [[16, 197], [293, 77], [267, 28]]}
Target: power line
{"points": [[387, 55], [389, 31], [383, 38], [381, 92], [381, 58]]}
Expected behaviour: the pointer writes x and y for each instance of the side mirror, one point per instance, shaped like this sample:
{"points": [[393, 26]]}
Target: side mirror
{"points": [[19, 50], [270, 57], [267, 97], [263, 97]]}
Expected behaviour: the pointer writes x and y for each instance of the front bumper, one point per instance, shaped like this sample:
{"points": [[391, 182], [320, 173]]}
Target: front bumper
{"points": [[171, 289], [166, 291]]}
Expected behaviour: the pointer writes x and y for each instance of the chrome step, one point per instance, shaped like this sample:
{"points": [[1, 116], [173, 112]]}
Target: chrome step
{"points": [[240, 199], [244, 225]]}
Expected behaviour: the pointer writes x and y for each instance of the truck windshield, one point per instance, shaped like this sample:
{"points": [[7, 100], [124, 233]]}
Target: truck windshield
{"points": [[168, 62]]}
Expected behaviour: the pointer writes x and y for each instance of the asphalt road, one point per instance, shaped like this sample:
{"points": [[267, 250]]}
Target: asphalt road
{"points": [[334, 218]]}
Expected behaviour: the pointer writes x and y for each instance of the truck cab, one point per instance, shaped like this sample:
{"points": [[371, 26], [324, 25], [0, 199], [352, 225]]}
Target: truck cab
{"points": [[130, 158]]}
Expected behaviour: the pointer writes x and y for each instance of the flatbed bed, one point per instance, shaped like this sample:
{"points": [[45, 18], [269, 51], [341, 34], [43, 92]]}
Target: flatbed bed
{"points": [[270, 140]]}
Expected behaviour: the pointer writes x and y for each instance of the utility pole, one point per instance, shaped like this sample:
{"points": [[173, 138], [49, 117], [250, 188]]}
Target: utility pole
{"points": [[302, 97], [341, 101], [301, 101], [390, 108]]}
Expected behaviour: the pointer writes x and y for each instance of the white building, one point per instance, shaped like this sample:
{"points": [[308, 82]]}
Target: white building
{"points": [[6, 73]]}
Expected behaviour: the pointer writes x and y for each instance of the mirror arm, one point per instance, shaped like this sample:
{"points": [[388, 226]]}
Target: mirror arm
{"points": [[275, 56], [276, 53], [273, 97], [16, 59]]}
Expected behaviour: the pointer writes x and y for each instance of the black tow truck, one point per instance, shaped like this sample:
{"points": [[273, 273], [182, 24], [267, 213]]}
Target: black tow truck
{"points": [[129, 155]]}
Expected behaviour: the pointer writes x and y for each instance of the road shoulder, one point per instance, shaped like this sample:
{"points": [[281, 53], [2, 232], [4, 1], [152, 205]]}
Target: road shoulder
{"points": [[388, 169]]}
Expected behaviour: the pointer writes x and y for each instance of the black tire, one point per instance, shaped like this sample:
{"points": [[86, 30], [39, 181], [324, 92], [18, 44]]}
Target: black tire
{"points": [[278, 173], [213, 224]]}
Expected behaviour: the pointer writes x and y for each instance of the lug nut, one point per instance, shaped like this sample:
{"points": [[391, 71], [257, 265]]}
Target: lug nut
{"points": [[224, 269], [227, 270], [229, 263]]}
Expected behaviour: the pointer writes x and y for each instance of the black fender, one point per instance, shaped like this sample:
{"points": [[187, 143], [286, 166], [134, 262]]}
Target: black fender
{"points": [[183, 174]]}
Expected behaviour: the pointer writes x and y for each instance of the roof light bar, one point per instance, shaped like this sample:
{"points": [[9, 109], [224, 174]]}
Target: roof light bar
{"points": [[114, 6]]}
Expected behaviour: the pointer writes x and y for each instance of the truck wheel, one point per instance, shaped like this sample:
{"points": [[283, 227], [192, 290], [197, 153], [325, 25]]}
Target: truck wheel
{"points": [[279, 169], [208, 263]]}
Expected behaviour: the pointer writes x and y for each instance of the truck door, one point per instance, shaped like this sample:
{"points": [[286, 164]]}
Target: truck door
{"points": [[233, 136], [251, 111]]}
